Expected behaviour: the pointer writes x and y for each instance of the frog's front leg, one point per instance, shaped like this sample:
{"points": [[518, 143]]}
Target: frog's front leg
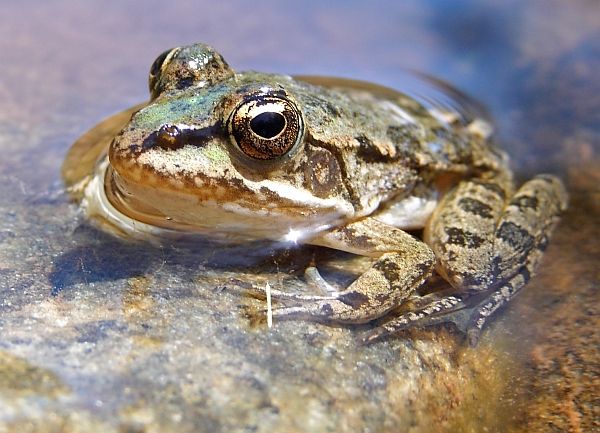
{"points": [[402, 264], [486, 244]]}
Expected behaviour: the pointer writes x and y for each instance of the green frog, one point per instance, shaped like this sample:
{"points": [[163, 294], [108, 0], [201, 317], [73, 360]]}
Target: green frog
{"points": [[415, 183]]}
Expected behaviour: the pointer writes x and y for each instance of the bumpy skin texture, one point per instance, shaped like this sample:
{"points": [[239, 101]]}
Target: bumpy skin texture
{"points": [[343, 164]]}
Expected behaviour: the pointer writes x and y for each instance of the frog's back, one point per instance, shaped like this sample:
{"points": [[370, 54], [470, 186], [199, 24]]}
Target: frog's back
{"points": [[396, 145]]}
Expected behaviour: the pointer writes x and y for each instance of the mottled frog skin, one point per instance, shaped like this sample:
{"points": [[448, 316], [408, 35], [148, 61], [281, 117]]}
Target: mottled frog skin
{"points": [[332, 162]]}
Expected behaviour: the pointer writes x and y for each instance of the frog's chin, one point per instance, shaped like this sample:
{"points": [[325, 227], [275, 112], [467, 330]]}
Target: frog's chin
{"points": [[166, 214]]}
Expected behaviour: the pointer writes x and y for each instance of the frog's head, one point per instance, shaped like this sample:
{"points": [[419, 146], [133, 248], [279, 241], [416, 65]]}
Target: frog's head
{"points": [[223, 152]]}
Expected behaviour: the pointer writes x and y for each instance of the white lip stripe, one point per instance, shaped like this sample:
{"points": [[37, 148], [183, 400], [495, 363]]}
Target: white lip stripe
{"points": [[303, 197]]}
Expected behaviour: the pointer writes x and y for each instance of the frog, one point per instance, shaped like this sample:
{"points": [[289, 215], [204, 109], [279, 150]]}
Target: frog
{"points": [[417, 184]]}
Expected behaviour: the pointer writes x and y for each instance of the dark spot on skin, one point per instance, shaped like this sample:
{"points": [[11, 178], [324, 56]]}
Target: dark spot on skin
{"points": [[354, 299], [367, 151], [525, 274], [184, 82], [389, 268], [271, 196], [515, 236], [495, 188], [234, 185], [463, 238], [424, 267], [470, 280], [496, 268], [382, 298], [327, 310], [452, 256], [323, 173], [526, 202], [360, 241], [475, 207]]}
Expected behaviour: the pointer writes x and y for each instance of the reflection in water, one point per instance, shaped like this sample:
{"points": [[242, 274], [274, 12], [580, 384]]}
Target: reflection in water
{"points": [[100, 257]]}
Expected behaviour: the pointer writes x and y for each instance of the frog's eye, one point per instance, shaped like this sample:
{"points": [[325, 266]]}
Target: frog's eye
{"points": [[184, 67], [157, 66], [266, 126]]}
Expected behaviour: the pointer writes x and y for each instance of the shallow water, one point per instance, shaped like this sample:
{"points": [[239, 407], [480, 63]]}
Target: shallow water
{"points": [[101, 334]]}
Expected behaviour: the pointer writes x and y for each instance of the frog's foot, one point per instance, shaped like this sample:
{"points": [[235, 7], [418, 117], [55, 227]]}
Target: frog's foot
{"points": [[370, 296], [466, 311], [402, 264], [261, 291], [330, 295], [448, 309]]}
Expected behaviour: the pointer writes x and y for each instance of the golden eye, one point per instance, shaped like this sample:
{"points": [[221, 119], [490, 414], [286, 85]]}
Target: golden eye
{"points": [[266, 126]]}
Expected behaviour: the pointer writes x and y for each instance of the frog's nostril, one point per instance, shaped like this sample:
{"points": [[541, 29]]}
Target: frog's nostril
{"points": [[268, 124]]}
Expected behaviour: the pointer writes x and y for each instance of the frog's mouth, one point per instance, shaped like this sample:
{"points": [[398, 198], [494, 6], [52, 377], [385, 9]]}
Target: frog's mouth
{"points": [[142, 209]]}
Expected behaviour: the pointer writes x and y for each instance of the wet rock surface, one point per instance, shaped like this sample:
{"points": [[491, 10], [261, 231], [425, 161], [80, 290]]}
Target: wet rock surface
{"points": [[119, 337], [101, 334]]}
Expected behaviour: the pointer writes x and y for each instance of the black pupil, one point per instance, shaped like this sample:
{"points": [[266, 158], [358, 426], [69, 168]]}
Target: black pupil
{"points": [[268, 124]]}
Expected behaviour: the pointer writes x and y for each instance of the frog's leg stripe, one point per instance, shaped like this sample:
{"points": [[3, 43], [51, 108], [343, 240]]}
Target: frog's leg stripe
{"points": [[460, 231], [507, 261], [525, 225], [480, 241]]}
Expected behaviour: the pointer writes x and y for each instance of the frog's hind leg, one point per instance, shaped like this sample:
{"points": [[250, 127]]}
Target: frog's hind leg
{"points": [[467, 311], [487, 248], [402, 264]]}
